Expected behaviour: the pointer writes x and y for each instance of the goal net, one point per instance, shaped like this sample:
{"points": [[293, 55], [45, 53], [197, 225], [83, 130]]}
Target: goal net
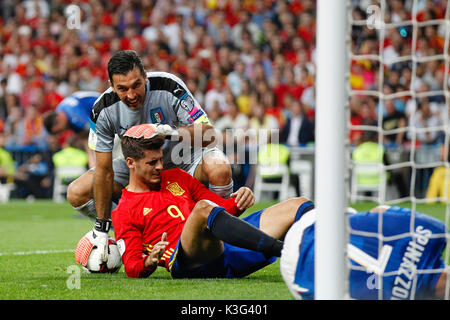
{"points": [[398, 109]]}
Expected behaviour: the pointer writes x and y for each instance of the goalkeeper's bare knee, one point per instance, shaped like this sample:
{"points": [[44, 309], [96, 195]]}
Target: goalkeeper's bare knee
{"points": [[216, 168], [80, 190]]}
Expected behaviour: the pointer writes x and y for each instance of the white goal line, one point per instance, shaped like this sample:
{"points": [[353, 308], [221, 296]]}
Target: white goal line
{"points": [[26, 253]]}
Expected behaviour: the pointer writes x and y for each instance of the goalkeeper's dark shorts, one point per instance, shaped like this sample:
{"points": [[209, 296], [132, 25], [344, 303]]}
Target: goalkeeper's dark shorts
{"points": [[235, 262]]}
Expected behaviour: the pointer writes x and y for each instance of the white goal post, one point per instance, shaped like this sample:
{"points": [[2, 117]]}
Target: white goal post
{"points": [[330, 167]]}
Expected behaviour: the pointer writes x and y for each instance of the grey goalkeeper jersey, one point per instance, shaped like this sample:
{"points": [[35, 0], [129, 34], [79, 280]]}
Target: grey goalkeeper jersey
{"points": [[167, 100]]}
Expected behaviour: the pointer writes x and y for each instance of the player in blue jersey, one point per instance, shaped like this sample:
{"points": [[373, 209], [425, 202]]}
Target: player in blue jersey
{"points": [[73, 113], [404, 261]]}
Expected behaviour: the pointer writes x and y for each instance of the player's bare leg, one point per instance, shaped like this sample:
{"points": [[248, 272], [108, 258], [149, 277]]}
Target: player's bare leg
{"points": [[80, 194], [199, 244], [277, 219], [214, 171]]}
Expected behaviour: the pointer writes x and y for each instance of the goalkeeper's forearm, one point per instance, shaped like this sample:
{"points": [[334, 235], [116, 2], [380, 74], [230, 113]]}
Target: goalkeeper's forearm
{"points": [[103, 188]]}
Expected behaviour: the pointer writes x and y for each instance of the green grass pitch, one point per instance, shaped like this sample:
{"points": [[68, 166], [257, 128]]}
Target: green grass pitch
{"points": [[37, 243]]}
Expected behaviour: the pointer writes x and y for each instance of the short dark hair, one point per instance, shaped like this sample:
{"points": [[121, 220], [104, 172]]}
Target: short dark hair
{"points": [[135, 147], [49, 119], [123, 62]]}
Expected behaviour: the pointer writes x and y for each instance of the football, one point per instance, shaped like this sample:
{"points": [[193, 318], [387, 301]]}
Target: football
{"points": [[88, 256]]}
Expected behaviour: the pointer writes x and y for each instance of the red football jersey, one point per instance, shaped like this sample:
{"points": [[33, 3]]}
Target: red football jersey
{"points": [[141, 218]]}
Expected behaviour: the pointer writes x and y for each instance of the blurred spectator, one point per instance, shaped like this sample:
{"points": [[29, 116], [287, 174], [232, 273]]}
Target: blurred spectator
{"points": [[394, 119], [259, 119], [161, 31], [32, 179], [12, 122], [232, 119], [261, 12], [29, 133], [38, 100], [245, 25], [236, 78], [437, 106], [216, 95], [362, 113], [270, 107], [88, 82], [36, 8], [288, 85], [423, 122], [216, 25], [243, 100], [298, 130], [261, 125], [52, 96]]}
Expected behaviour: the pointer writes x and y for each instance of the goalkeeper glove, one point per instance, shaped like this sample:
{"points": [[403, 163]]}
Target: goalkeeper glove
{"points": [[166, 130], [150, 130], [100, 235]]}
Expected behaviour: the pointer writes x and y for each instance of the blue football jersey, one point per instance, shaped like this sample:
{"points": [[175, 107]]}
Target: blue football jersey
{"points": [[392, 255], [78, 107]]}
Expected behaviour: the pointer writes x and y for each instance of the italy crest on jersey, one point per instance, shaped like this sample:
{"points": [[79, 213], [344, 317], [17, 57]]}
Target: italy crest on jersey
{"points": [[157, 115]]}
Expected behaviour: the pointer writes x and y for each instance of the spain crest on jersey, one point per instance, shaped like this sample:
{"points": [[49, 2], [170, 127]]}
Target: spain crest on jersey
{"points": [[175, 189]]}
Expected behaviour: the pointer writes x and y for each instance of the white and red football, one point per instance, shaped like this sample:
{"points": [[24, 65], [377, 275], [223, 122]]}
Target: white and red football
{"points": [[87, 255]]}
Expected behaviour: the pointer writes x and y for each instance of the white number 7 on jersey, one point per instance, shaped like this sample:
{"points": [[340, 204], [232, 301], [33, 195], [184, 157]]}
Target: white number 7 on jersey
{"points": [[369, 262]]}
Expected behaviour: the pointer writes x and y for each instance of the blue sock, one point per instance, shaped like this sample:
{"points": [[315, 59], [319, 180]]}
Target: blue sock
{"points": [[304, 208], [213, 215], [240, 233]]}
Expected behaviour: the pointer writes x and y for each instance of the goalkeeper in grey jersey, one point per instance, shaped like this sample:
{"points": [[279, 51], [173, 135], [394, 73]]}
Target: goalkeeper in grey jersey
{"points": [[137, 97]]}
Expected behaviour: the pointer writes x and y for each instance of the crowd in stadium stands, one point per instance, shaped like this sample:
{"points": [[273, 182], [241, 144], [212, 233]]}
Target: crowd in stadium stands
{"points": [[250, 64]]}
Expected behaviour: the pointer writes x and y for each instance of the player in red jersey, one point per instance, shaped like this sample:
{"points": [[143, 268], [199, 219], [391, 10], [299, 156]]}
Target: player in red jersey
{"points": [[169, 219]]}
